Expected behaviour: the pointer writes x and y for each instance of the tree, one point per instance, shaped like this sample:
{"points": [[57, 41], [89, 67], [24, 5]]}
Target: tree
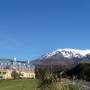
{"points": [[81, 71], [16, 75]]}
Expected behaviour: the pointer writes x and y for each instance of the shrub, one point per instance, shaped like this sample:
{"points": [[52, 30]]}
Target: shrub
{"points": [[15, 75], [48, 81]]}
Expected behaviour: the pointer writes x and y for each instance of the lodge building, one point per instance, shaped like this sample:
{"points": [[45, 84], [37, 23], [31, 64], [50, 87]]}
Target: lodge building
{"points": [[7, 66]]}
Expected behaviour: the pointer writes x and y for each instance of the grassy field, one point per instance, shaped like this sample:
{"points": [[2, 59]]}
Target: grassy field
{"points": [[18, 84]]}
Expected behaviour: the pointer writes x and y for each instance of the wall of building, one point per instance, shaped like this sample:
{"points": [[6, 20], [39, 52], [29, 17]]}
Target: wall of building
{"points": [[5, 74], [23, 67], [28, 74]]}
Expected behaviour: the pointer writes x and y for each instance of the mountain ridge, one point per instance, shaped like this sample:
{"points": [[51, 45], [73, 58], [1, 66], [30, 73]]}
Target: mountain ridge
{"points": [[64, 57], [68, 53]]}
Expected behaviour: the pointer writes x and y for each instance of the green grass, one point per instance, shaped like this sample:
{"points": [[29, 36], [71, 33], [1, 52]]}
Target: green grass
{"points": [[18, 84]]}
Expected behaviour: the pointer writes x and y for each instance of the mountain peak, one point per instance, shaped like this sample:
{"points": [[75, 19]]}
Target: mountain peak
{"points": [[68, 53], [64, 57], [82, 52]]}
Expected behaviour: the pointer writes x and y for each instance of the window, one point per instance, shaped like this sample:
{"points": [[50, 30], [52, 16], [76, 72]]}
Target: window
{"points": [[0, 72], [4, 72]]}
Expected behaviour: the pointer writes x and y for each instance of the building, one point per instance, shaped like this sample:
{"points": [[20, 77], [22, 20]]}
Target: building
{"points": [[7, 66], [5, 74], [27, 74], [11, 64]]}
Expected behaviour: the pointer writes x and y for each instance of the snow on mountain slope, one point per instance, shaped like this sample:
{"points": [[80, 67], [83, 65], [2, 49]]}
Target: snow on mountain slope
{"points": [[68, 53]]}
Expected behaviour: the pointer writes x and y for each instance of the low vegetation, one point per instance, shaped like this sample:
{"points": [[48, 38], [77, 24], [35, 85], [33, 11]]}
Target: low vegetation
{"points": [[50, 81], [18, 84]]}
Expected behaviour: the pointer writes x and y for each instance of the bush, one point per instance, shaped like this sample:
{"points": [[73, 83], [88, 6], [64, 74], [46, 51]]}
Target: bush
{"points": [[68, 86], [48, 81], [15, 75], [81, 71]]}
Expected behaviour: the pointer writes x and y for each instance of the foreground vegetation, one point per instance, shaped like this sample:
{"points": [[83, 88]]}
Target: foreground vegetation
{"points": [[81, 71], [50, 81], [18, 84], [47, 83]]}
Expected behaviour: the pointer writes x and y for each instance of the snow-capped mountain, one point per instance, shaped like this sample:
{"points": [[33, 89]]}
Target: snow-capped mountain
{"points": [[67, 53], [64, 57]]}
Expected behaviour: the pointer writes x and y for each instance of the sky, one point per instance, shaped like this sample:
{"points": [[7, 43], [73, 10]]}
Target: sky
{"points": [[31, 28]]}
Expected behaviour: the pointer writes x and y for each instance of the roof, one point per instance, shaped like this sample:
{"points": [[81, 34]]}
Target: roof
{"points": [[6, 60]]}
